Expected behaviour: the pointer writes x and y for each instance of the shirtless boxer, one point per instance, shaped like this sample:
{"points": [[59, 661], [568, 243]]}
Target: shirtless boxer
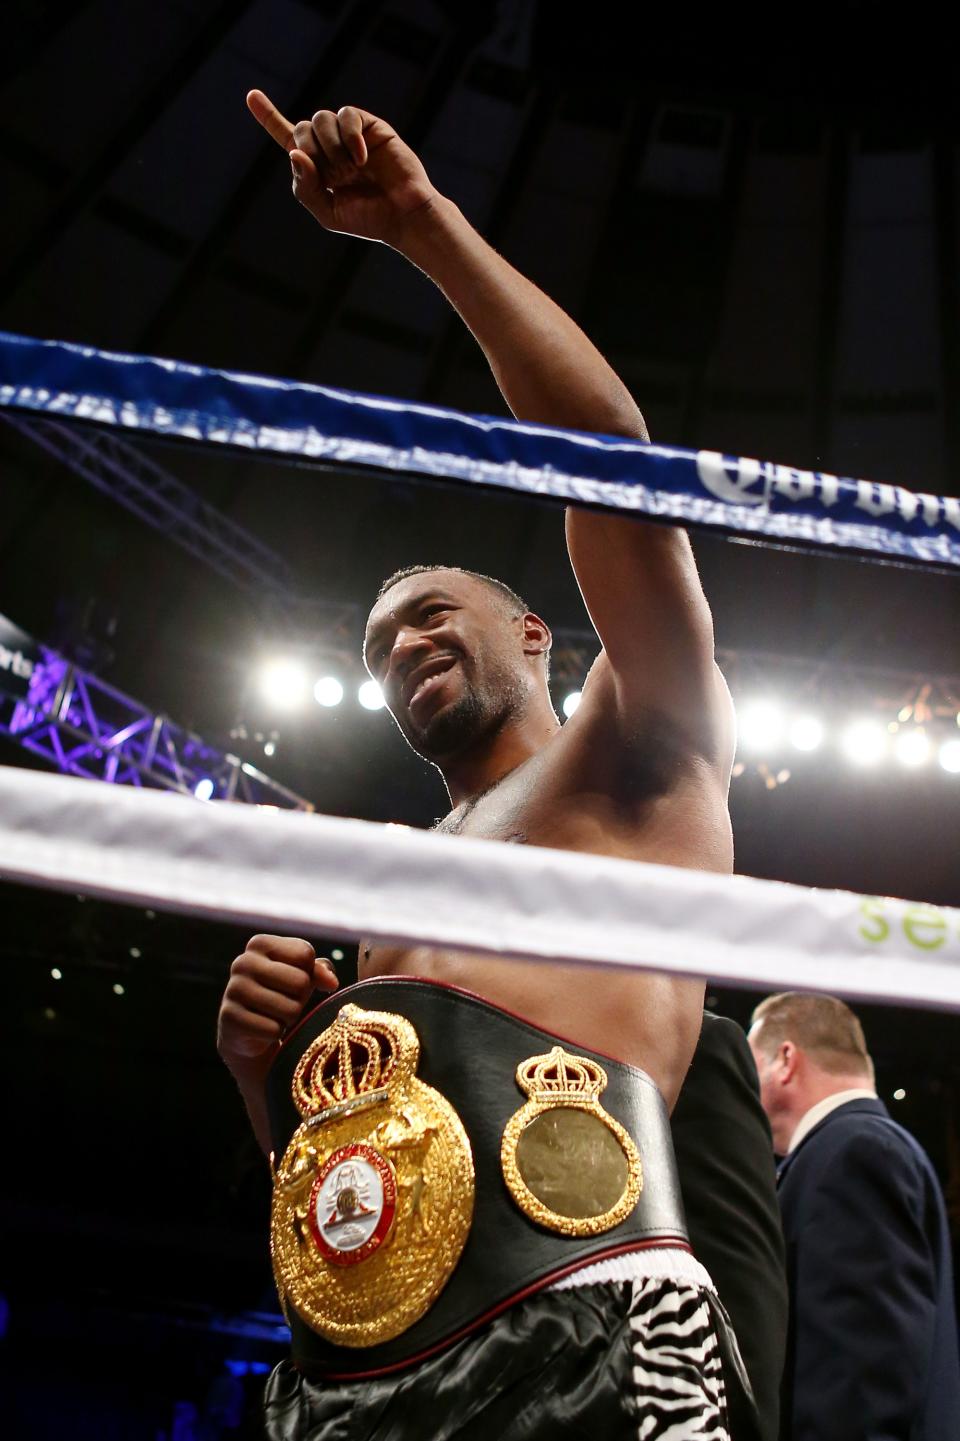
{"points": [[640, 771]]}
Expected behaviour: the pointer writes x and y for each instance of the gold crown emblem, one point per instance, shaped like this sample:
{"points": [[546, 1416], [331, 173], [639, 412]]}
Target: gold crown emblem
{"points": [[360, 1054], [559, 1076], [373, 1197]]}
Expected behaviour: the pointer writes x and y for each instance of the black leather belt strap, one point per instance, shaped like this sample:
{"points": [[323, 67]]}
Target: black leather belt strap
{"points": [[470, 1051]]}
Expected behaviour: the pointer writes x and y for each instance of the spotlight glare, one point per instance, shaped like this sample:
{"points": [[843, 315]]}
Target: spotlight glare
{"points": [[571, 702], [912, 747], [203, 790], [806, 733], [118, 990], [328, 691], [899, 1094], [760, 726], [950, 757], [284, 683], [270, 748], [370, 696], [864, 742], [57, 974]]}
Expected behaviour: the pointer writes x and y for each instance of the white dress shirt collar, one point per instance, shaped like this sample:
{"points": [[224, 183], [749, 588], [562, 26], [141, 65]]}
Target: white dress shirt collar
{"points": [[816, 1113]]}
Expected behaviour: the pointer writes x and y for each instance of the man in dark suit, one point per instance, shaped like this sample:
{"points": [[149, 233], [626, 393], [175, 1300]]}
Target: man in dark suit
{"points": [[872, 1350]]}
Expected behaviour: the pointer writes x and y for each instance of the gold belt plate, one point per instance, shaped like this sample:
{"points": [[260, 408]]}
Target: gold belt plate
{"points": [[568, 1164], [373, 1199]]}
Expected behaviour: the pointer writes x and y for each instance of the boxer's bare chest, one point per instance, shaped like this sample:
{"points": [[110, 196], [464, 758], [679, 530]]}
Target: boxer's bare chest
{"points": [[579, 794], [613, 805]]}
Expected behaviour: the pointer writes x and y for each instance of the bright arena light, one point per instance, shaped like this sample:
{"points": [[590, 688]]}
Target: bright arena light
{"points": [[328, 691], [864, 742], [912, 747], [203, 790], [950, 757], [284, 683], [571, 702], [759, 725], [806, 733], [370, 696]]}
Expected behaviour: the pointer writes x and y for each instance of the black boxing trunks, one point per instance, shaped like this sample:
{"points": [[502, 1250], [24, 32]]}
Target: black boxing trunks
{"points": [[607, 1361], [466, 1206]]}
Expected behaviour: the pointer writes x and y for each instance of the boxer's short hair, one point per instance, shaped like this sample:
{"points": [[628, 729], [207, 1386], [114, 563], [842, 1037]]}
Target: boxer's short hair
{"points": [[518, 605]]}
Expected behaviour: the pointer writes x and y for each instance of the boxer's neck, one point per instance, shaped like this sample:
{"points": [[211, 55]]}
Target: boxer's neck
{"points": [[477, 770]]}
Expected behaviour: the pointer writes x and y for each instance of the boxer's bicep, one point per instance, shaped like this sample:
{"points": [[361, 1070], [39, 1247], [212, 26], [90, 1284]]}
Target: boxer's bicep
{"points": [[641, 587]]}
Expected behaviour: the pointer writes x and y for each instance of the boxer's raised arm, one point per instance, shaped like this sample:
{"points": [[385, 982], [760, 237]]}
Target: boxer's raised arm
{"points": [[356, 176], [639, 581]]}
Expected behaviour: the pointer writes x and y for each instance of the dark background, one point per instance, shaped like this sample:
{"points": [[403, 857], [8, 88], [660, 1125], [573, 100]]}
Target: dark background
{"points": [[756, 219]]}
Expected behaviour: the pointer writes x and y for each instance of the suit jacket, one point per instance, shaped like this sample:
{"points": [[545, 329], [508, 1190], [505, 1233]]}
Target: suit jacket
{"points": [[872, 1351], [727, 1176]]}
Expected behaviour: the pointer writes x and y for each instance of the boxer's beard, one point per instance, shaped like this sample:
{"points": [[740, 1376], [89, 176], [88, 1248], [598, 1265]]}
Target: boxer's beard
{"points": [[475, 717]]}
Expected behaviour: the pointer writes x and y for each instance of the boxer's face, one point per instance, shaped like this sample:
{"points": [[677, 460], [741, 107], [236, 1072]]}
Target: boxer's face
{"points": [[449, 658]]}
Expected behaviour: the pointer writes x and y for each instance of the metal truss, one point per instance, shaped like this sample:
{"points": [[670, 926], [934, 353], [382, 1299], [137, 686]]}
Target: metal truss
{"points": [[894, 694], [903, 695], [127, 475], [88, 728]]}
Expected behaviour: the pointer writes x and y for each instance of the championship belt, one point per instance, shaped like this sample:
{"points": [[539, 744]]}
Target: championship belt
{"points": [[441, 1159], [373, 1198], [567, 1163]]}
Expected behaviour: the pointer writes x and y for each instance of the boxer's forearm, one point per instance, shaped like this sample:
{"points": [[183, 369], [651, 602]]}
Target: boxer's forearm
{"points": [[546, 368], [251, 1089], [356, 176]]}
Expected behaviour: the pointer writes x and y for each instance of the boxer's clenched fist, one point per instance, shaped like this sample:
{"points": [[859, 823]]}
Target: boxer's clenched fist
{"points": [[269, 987]]}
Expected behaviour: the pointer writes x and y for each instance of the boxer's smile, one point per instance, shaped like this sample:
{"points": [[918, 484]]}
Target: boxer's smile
{"points": [[425, 684]]}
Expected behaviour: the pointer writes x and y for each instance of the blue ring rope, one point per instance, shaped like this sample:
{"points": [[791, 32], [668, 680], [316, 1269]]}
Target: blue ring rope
{"points": [[290, 419]]}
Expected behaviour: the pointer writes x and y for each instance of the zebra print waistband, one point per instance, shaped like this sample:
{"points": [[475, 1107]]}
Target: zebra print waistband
{"points": [[667, 1263]]}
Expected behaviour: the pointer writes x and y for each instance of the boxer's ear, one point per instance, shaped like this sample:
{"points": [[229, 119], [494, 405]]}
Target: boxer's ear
{"points": [[537, 639]]}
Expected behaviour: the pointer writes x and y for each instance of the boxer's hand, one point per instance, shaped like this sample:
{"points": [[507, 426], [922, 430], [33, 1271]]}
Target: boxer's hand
{"points": [[350, 169], [268, 988]]}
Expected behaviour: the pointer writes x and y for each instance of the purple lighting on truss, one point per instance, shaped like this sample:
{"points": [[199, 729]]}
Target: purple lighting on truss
{"points": [[88, 728]]}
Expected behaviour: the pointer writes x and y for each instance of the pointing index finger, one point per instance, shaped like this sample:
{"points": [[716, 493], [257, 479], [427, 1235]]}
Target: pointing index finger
{"points": [[266, 114]]}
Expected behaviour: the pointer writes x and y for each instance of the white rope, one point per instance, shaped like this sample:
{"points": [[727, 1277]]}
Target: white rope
{"points": [[293, 872]]}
